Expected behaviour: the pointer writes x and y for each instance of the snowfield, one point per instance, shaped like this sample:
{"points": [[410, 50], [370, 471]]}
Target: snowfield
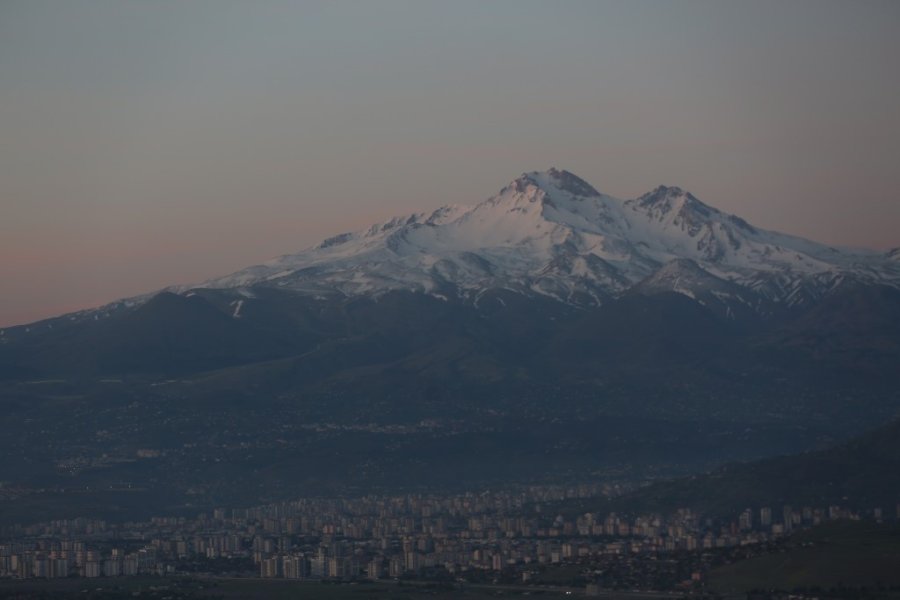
{"points": [[551, 233]]}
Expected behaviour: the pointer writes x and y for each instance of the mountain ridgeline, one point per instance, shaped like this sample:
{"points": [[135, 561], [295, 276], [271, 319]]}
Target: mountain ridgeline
{"points": [[547, 279], [859, 472], [541, 316]]}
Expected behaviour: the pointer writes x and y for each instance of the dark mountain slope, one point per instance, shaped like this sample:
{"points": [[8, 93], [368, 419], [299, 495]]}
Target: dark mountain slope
{"points": [[857, 327], [862, 472]]}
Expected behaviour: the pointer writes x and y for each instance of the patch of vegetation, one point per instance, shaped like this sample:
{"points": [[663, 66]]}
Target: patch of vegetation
{"points": [[839, 555]]}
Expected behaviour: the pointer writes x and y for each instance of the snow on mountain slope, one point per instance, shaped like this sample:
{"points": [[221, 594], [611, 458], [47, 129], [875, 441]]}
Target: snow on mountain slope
{"points": [[684, 276], [551, 233]]}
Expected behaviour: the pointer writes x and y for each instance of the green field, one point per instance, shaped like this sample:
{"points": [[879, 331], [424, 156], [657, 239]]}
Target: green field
{"points": [[850, 554], [285, 590], [246, 589]]}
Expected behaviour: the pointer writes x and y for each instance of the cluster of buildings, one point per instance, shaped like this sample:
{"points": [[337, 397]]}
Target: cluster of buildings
{"points": [[50, 559], [455, 536]]}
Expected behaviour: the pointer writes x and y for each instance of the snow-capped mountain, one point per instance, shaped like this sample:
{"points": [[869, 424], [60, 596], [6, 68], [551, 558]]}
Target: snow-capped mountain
{"points": [[692, 331], [551, 233]]}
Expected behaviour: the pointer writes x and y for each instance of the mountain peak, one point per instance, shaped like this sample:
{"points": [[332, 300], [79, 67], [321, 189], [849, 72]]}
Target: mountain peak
{"points": [[550, 233], [664, 199], [670, 192], [569, 182], [552, 180]]}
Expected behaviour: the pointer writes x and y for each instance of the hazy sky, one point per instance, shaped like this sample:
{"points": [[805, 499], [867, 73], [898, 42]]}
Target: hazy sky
{"points": [[146, 143]]}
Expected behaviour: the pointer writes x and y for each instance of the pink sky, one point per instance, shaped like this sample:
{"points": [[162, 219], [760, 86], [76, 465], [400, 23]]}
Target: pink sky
{"points": [[148, 144]]}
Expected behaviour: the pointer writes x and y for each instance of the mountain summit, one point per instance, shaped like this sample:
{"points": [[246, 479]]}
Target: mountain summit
{"points": [[551, 233]]}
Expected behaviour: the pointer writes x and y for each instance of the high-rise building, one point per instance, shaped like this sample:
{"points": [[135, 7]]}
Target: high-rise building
{"points": [[412, 561], [745, 521], [375, 568], [131, 565], [318, 566], [294, 567], [92, 568], [270, 567], [112, 567]]}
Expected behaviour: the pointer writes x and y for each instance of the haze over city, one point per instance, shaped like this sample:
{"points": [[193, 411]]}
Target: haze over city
{"points": [[148, 144]]}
